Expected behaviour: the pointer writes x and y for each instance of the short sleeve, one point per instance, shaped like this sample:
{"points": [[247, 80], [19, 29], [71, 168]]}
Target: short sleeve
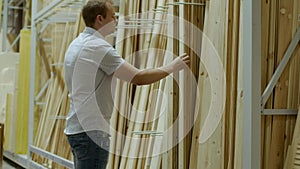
{"points": [[111, 61]]}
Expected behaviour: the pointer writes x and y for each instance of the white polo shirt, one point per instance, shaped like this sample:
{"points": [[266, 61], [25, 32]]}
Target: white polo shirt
{"points": [[89, 64]]}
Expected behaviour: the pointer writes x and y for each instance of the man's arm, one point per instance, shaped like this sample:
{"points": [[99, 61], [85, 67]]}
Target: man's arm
{"points": [[136, 76]]}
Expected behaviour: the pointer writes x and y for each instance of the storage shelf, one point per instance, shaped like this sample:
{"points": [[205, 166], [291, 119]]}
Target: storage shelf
{"points": [[21, 160]]}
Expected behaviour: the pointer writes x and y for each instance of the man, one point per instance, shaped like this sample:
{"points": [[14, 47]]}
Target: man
{"points": [[90, 64]]}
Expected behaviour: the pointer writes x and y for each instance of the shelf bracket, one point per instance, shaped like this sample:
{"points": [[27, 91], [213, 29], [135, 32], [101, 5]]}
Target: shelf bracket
{"points": [[280, 68]]}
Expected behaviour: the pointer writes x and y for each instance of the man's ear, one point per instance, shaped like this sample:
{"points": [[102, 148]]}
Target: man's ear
{"points": [[99, 18]]}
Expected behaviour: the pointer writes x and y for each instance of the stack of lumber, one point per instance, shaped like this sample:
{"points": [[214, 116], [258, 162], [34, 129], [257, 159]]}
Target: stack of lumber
{"points": [[223, 27], [133, 118], [169, 124], [51, 120]]}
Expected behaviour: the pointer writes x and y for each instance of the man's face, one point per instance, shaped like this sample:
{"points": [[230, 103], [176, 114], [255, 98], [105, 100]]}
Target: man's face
{"points": [[109, 22]]}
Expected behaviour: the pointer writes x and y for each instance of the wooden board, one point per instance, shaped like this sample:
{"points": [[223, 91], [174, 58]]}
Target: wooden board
{"points": [[293, 151], [210, 153], [281, 90], [1, 142]]}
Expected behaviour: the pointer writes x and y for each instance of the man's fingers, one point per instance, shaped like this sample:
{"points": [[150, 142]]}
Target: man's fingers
{"points": [[186, 58], [183, 58], [183, 55]]}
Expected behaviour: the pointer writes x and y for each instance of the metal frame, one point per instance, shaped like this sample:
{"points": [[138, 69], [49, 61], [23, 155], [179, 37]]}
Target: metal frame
{"points": [[254, 102], [54, 12], [6, 6], [186, 3], [13, 44], [252, 84], [22, 160], [4, 25], [49, 14], [280, 112], [33, 45], [51, 156], [280, 68]]}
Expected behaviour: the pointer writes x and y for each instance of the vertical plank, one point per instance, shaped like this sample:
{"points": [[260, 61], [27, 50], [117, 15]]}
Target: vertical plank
{"points": [[8, 123], [1, 143], [239, 103], [281, 89], [265, 5], [231, 76], [210, 153], [269, 56]]}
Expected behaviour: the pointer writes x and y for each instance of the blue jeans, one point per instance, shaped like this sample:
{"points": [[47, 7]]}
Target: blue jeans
{"points": [[90, 150]]}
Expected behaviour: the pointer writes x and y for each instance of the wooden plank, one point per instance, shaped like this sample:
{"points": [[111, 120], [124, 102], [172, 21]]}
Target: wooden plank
{"points": [[130, 49], [143, 104], [157, 143], [239, 102], [292, 154], [132, 163], [8, 123], [172, 88], [154, 148], [42, 53], [270, 57], [118, 120], [231, 79], [293, 86], [210, 153], [148, 124], [264, 80], [187, 85], [281, 89], [172, 157], [1, 143], [27, 17], [57, 101]]}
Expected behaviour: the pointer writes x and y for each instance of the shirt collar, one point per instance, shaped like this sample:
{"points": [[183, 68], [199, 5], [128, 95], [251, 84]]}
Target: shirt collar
{"points": [[92, 31]]}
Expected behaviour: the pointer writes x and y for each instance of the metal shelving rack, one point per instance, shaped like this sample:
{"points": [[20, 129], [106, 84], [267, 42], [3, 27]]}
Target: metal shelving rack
{"points": [[55, 12], [20, 160], [254, 102], [4, 25], [7, 5], [253, 107], [252, 84]]}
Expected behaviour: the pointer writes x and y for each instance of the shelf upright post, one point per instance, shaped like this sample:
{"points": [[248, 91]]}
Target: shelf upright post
{"points": [[32, 77], [252, 84], [4, 25]]}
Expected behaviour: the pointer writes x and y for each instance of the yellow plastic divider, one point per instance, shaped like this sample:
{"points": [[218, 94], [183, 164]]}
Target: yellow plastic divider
{"points": [[21, 142], [23, 93]]}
